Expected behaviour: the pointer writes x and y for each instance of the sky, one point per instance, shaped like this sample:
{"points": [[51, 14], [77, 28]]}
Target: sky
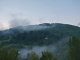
{"points": [[31, 12]]}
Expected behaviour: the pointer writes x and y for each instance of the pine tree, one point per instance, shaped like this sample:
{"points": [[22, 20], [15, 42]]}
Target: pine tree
{"points": [[74, 48]]}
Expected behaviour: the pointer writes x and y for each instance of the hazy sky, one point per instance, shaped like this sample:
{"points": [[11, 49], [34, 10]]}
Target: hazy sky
{"points": [[39, 11]]}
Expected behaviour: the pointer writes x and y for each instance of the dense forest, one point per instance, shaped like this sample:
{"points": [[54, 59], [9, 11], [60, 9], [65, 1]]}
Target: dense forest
{"points": [[56, 37], [73, 52], [42, 34]]}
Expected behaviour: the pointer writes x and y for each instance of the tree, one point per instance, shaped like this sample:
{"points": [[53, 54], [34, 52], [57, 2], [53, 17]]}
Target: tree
{"points": [[13, 54], [47, 56], [74, 48], [3, 53], [33, 56]]}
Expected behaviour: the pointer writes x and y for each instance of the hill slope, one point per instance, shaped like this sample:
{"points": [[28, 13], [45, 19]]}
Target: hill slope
{"points": [[42, 34]]}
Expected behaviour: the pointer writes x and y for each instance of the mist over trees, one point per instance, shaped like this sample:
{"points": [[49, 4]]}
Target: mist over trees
{"points": [[36, 42], [13, 54], [73, 52], [42, 34]]}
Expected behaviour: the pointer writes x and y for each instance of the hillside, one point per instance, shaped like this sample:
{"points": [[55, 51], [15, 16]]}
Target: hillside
{"points": [[52, 37], [42, 34]]}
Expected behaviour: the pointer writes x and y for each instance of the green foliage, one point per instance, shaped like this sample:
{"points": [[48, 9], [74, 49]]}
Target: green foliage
{"points": [[18, 38], [3, 53], [8, 55], [74, 48], [13, 54], [33, 56], [37, 37], [47, 56]]}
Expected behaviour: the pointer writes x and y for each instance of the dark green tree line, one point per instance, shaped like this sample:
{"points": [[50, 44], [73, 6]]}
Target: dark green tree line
{"points": [[6, 54]]}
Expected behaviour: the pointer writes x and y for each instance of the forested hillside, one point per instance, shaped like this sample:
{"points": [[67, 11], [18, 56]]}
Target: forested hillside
{"points": [[48, 37], [73, 53], [42, 34]]}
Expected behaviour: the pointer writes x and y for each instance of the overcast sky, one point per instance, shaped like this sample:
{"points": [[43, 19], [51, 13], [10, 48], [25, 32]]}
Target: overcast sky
{"points": [[39, 11]]}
